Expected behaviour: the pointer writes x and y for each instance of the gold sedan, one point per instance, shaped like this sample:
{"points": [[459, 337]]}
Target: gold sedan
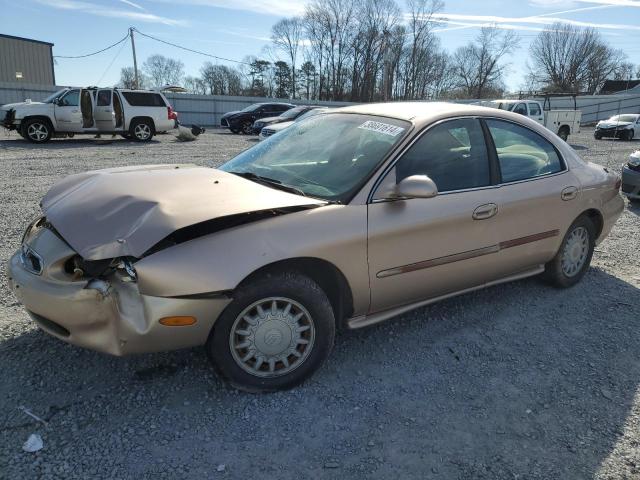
{"points": [[348, 218]]}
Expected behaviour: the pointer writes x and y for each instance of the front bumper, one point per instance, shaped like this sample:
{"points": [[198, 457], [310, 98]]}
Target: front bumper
{"points": [[631, 182], [108, 315], [611, 132], [9, 119]]}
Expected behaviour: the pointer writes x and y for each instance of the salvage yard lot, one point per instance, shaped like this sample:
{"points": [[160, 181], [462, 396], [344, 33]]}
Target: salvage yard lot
{"points": [[516, 381]]}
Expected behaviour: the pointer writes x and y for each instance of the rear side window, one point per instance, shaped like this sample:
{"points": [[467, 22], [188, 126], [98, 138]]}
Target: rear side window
{"points": [[534, 109], [144, 99], [278, 108], [104, 98], [453, 154], [522, 153]]}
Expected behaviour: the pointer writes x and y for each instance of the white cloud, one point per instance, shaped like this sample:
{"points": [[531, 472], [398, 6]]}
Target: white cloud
{"points": [[131, 4], [101, 11], [535, 20], [282, 8]]}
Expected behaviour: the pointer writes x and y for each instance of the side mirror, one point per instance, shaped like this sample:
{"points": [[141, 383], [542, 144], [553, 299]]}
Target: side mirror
{"points": [[416, 186]]}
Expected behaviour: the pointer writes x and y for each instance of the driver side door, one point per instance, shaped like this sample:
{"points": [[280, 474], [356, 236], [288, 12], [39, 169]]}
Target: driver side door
{"points": [[420, 248], [67, 112]]}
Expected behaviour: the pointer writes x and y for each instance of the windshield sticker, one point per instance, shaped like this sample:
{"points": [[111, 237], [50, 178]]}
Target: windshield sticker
{"points": [[379, 127]]}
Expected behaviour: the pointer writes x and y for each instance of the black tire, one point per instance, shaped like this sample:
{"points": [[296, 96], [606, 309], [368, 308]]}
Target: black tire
{"points": [[286, 287], [141, 130], [597, 136], [563, 133], [36, 130], [235, 130], [629, 135], [247, 127], [126, 135], [554, 272]]}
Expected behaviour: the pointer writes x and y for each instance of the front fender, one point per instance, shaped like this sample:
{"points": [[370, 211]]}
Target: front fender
{"points": [[220, 261]]}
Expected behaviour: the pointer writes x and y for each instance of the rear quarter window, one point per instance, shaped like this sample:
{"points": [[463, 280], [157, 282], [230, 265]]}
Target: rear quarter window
{"points": [[144, 99]]}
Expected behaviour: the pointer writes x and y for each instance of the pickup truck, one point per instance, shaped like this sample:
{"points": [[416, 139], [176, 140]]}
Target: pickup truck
{"points": [[134, 114], [561, 122]]}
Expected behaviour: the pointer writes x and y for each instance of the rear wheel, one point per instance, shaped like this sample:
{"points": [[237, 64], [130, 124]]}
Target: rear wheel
{"points": [[37, 130], [277, 331], [141, 130], [574, 256], [563, 133]]}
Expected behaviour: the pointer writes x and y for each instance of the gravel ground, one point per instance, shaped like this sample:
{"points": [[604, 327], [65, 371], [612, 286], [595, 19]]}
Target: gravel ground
{"points": [[519, 381]]}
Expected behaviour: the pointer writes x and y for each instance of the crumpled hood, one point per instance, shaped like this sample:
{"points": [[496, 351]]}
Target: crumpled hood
{"points": [[605, 124], [125, 211], [229, 114]]}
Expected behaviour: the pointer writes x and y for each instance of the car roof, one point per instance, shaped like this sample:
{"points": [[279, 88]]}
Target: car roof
{"points": [[418, 112]]}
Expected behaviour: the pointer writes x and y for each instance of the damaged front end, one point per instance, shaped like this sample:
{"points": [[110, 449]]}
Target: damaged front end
{"points": [[97, 304]]}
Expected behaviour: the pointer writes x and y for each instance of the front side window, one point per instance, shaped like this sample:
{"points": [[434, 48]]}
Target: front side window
{"points": [[453, 154], [71, 99], [326, 156], [522, 153], [534, 109], [520, 108]]}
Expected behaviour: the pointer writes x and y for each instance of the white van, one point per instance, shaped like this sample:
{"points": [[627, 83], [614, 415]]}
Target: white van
{"points": [[135, 114]]}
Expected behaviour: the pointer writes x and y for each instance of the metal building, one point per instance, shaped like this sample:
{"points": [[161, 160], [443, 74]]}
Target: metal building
{"points": [[23, 60]]}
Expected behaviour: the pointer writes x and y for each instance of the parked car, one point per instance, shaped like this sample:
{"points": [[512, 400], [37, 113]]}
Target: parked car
{"points": [[242, 121], [287, 116], [624, 126], [631, 178], [562, 122], [271, 129], [135, 114], [376, 210]]}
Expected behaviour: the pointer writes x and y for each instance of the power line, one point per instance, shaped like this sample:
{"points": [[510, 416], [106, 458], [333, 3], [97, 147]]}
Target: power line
{"points": [[111, 64], [94, 53], [190, 49]]}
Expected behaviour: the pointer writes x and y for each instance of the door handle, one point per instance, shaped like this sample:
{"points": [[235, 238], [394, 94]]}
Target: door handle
{"points": [[485, 211], [75, 111], [569, 193]]}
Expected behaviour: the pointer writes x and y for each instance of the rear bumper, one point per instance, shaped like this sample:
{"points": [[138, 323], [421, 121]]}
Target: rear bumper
{"points": [[630, 182], [110, 315]]}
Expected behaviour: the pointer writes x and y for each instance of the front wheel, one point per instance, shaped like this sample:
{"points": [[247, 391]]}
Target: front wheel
{"points": [[563, 133], [247, 128], [277, 331], [629, 135], [37, 131], [574, 256], [141, 130]]}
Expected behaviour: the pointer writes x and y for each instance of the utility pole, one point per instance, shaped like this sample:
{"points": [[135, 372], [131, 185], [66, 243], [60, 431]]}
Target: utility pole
{"points": [[135, 60]]}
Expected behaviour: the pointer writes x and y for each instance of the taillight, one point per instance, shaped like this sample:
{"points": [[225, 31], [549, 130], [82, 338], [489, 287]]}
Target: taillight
{"points": [[171, 115]]}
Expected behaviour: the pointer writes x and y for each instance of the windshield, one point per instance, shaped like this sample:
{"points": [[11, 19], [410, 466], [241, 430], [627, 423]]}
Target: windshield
{"points": [[293, 113], [624, 118], [251, 108], [51, 98], [326, 156], [311, 113]]}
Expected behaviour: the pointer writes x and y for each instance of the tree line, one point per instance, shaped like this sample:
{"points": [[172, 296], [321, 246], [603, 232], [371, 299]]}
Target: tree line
{"points": [[369, 50]]}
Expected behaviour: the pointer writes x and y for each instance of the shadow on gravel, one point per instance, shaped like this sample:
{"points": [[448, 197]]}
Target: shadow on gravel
{"points": [[515, 381], [71, 143]]}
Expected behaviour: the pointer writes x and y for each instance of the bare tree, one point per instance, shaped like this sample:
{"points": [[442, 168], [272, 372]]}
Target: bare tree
{"points": [[221, 80], [286, 34], [128, 78], [567, 58], [163, 71], [195, 85], [478, 65], [624, 71]]}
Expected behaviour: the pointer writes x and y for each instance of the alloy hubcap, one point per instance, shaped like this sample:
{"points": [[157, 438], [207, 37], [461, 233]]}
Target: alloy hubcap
{"points": [[37, 131], [272, 337], [575, 251], [142, 131]]}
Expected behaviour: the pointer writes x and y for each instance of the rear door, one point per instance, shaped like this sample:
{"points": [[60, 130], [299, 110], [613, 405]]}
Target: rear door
{"points": [[104, 114], [67, 112], [536, 200]]}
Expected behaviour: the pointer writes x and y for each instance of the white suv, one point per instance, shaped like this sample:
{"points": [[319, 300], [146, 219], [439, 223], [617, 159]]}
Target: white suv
{"points": [[136, 114]]}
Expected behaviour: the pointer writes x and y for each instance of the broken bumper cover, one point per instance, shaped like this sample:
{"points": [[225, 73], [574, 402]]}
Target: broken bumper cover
{"points": [[9, 119], [109, 315]]}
